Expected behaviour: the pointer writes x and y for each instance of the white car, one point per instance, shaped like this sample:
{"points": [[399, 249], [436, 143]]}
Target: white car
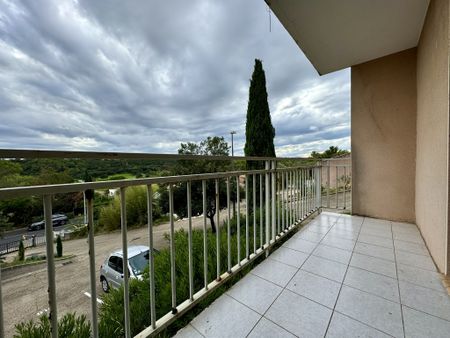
{"points": [[111, 271]]}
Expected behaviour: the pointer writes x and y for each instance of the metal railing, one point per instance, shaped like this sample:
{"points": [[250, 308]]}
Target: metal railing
{"points": [[287, 196], [336, 183], [28, 242]]}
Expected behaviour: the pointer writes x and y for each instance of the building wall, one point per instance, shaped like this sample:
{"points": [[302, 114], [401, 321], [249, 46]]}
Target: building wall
{"points": [[433, 132], [383, 137]]}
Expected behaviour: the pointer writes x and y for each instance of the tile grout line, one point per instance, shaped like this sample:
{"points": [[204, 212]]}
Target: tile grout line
{"points": [[343, 279], [398, 286], [284, 288]]}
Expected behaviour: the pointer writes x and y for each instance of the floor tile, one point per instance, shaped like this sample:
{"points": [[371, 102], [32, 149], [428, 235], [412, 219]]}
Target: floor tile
{"points": [[275, 272], [299, 315], [325, 268], [266, 329], [300, 245], [338, 242], [415, 248], [255, 292], [374, 311], [419, 324], [289, 256], [225, 310], [374, 264], [310, 236], [332, 253], [374, 283], [375, 251], [319, 229], [425, 278], [425, 300], [343, 326], [418, 261], [346, 234], [376, 240], [409, 237], [188, 332], [385, 233], [319, 289]]}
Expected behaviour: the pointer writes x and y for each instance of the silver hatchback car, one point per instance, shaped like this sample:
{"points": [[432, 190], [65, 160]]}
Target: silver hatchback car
{"points": [[111, 271]]}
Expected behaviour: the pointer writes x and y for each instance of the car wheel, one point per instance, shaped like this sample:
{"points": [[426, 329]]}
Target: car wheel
{"points": [[105, 285]]}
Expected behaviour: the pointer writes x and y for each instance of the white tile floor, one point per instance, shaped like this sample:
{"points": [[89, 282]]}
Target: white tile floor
{"points": [[340, 276]]}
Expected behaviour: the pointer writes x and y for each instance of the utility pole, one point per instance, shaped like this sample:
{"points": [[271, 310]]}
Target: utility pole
{"points": [[232, 142]]}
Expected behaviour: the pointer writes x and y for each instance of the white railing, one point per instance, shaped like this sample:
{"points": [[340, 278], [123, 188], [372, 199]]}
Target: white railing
{"points": [[336, 183], [287, 196]]}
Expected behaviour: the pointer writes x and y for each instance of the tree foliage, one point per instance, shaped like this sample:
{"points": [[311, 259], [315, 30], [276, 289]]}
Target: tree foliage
{"points": [[59, 246], [259, 131], [213, 146], [330, 153]]}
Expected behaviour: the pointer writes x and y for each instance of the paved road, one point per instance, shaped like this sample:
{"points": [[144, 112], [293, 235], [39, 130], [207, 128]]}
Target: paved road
{"points": [[15, 235], [25, 297]]}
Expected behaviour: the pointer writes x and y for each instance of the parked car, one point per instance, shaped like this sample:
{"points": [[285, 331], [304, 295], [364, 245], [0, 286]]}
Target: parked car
{"points": [[111, 271], [57, 220]]}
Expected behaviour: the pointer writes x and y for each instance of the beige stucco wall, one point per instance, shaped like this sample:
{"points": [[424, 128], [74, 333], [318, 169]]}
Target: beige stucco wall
{"points": [[433, 132], [383, 137]]}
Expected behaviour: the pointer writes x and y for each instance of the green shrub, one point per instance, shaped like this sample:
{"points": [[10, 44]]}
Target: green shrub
{"points": [[136, 205], [111, 314], [21, 251], [59, 246], [69, 326]]}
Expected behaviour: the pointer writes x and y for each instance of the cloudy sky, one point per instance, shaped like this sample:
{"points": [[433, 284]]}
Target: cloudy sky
{"points": [[143, 76]]}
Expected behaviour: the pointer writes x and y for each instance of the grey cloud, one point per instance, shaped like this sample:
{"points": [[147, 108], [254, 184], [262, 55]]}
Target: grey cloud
{"points": [[145, 76]]}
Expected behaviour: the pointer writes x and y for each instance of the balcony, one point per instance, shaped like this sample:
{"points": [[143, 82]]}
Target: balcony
{"points": [[308, 272], [339, 276]]}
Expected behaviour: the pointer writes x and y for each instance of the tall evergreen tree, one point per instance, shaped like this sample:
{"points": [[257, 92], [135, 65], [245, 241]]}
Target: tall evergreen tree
{"points": [[259, 132]]}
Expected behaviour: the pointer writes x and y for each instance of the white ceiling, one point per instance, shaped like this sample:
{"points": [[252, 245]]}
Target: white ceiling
{"points": [[336, 34]]}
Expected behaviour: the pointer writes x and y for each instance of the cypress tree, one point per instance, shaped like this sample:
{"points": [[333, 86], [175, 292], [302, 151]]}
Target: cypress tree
{"points": [[259, 132], [59, 246], [21, 251]]}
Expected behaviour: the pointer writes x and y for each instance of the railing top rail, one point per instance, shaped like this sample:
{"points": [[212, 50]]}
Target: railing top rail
{"points": [[29, 153], [13, 192]]}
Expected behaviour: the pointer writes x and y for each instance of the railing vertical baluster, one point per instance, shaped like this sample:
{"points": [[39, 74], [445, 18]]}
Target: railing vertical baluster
{"points": [[217, 229], [89, 196], [288, 199], [318, 187], [247, 219], [238, 194], [267, 204], [254, 212], [261, 214], [278, 202], [125, 272], [151, 257], [173, 284], [337, 187], [300, 188], [305, 192], [228, 227], [205, 238], [283, 191], [50, 265], [190, 259], [313, 189], [345, 181], [274, 197], [328, 184], [297, 194], [2, 328], [291, 182]]}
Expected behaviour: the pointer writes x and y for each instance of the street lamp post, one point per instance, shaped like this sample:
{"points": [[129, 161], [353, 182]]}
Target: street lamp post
{"points": [[232, 145]]}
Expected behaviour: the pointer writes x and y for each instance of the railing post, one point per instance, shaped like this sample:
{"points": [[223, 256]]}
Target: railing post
{"points": [[318, 188], [151, 261], [2, 329], [247, 219], [205, 238], [261, 214], [190, 259], [337, 187], [228, 227], [238, 221], [274, 197], [345, 181], [267, 204], [89, 196], [50, 265], [254, 212], [328, 184], [283, 204], [125, 273], [217, 229], [173, 284]]}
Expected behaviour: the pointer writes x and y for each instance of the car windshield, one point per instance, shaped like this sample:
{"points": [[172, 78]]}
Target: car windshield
{"points": [[139, 262]]}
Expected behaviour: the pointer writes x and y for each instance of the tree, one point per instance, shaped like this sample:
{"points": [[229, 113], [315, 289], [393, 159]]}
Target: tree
{"points": [[21, 251], [213, 146], [59, 246], [330, 153], [259, 132]]}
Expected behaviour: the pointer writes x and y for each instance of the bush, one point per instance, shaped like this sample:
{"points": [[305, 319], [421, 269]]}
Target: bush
{"points": [[21, 251], [59, 246], [69, 326], [136, 204], [111, 314]]}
